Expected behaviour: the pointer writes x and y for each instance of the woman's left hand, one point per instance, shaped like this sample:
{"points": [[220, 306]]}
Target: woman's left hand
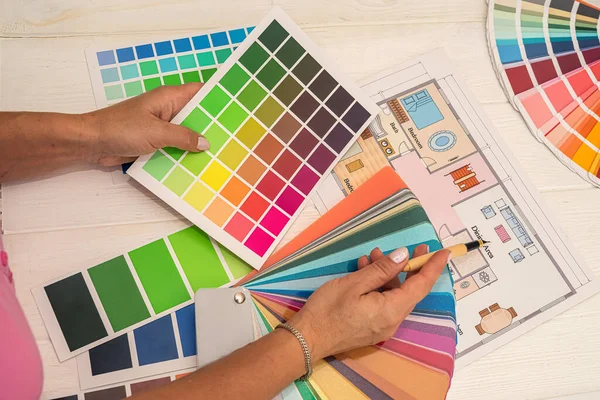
{"points": [[141, 125]]}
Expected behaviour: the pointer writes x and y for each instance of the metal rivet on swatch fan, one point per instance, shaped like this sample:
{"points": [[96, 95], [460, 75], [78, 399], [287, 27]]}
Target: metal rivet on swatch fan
{"points": [[239, 297]]}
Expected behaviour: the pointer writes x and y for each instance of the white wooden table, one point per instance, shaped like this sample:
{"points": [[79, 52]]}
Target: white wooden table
{"points": [[42, 67]]}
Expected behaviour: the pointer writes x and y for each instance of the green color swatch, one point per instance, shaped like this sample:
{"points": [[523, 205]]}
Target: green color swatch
{"points": [[158, 165], [178, 181], [252, 95], [174, 152], [113, 92], [152, 83], [198, 259], [271, 74], [195, 162], [290, 52], [233, 154], [232, 117], [254, 57], [273, 36], [118, 293], [269, 111], [207, 74], [234, 79], [222, 55], [216, 136], [172, 80], [186, 62], [205, 59], [159, 276], [133, 88], [191, 76], [214, 101], [196, 120], [237, 267], [149, 68]]}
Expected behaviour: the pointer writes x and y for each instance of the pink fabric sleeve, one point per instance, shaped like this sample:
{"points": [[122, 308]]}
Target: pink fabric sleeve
{"points": [[20, 364]]}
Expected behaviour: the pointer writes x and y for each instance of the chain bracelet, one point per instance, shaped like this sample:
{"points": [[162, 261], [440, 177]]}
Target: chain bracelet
{"points": [[304, 345]]}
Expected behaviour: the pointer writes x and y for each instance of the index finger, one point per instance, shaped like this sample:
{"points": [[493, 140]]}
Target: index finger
{"points": [[417, 286]]}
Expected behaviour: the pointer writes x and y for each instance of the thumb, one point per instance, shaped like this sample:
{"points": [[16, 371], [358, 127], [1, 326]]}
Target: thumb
{"points": [[171, 135], [380, 272]]}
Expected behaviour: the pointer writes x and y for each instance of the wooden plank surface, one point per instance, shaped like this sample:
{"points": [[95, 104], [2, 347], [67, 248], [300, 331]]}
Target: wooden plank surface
{"points": [[42, 67]]}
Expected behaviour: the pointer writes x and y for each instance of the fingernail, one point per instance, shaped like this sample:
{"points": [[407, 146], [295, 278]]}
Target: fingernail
{"points": [[427, 248], [203, 144], [449, 257], [399, 255]]}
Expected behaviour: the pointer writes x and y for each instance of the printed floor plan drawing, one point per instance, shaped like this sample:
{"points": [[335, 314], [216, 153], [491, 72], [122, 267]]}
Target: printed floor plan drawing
{"points": [[435, 135]]}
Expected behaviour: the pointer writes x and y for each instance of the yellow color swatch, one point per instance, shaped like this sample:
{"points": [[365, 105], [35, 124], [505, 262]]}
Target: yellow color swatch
{"points": [[198, 196], [233, 154], [215, 175]]}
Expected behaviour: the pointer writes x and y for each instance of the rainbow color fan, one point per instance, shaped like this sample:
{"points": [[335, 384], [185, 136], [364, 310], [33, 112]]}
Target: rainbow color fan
{"points": [[382, 213], [547, 56]]}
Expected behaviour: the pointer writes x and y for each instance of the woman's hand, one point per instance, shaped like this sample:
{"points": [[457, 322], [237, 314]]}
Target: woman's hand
{"points": [[352, 312], [141, 125]]}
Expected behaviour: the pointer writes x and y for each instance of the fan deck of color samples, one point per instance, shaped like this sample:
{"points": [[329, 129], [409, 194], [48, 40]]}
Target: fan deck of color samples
{"points": [[418, 361], [547, 55], [278, 119]]}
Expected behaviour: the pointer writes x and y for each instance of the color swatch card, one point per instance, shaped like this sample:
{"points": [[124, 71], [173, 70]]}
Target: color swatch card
{"points": [[162, 346], [97, 304], [424, 345], [547, 55], [278, 117], [124, 72]]}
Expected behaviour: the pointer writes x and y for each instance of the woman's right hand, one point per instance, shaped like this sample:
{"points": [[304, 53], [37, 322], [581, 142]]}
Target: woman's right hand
{"points": [[351, 312]]}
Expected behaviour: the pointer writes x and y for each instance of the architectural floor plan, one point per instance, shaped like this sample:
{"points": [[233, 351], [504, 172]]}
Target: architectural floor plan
{"points": [[435, 135]]}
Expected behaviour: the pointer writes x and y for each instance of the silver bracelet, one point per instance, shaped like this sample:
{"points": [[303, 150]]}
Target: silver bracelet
{"points": [[307, 357]]}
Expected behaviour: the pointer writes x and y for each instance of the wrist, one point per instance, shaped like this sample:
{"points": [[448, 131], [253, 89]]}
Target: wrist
{"points": [[315, 343], [90, 137]]}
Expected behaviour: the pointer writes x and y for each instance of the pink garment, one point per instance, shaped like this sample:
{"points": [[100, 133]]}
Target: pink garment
{"points": [[21, 375]]}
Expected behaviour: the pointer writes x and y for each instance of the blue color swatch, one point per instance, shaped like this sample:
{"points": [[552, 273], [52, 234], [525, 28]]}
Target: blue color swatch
{"points": [[163, 48], [155, 342], [106, 57], [186, 322], [182, 45], [144, 51], [125, 54]]}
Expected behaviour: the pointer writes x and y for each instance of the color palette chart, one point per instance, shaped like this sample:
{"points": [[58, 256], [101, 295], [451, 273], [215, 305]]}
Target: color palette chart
{"points": [[278, 119], [547, 55], [97, 304], [127, 71], [382, 213]]}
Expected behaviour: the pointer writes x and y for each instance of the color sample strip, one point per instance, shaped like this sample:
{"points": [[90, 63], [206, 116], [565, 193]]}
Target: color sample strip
{"points": [[163, 345], [125, 72], [123, 390], [552, 69], [277, 118], [102, 302]]}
